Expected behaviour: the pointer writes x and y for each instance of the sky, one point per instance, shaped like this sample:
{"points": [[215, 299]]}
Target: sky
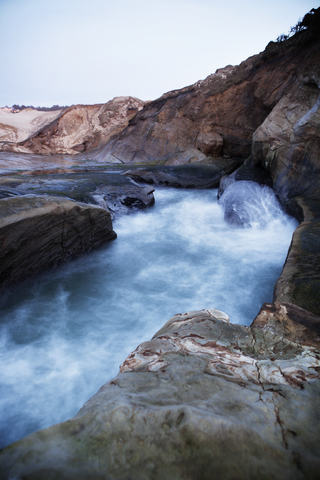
{"points": [[66, 52]]}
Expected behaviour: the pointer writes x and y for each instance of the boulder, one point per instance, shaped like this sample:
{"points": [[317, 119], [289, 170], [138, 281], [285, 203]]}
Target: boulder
{"points": [[203, 399], [209, 142], [40, 232]]}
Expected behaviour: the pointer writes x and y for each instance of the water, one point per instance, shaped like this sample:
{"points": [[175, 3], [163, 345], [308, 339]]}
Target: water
{"points": [[64, 334]]}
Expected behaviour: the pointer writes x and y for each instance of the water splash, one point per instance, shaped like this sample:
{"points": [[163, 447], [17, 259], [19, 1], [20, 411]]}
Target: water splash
{"points": [[248, 204]]}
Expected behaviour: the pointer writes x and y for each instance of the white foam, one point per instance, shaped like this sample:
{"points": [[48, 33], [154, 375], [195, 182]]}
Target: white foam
{"points": [[65, 334]]}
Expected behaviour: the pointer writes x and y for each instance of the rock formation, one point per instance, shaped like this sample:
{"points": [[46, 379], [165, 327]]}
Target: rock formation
{"points": [[112, 191], [17, 126], [206, 398], [205, 175], [285, 154], [203, 399], [69, 131], [219, 115], [40, 232]]}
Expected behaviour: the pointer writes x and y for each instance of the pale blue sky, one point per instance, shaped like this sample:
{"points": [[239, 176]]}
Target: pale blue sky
{"points": [[89, 51]]}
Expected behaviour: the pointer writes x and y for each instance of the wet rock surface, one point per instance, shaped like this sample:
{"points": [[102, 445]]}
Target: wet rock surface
{"points": [[112, 191], [299, 281], [185, 176], [41, 232], [204, 397]]}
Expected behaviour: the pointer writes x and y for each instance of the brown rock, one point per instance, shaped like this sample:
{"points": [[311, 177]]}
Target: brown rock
{"points": [[203, 399], [40, 232], [209, 143], [216, 116]]}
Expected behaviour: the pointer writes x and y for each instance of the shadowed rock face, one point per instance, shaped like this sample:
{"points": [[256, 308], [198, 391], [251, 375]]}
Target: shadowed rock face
{"points": [[285, 154], [185, 176], [202, 399], [41, 232], [69, 131], [287, 146]]}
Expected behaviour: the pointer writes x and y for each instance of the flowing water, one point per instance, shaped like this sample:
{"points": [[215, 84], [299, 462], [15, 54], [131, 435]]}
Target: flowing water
{"points": [[65, 333]]}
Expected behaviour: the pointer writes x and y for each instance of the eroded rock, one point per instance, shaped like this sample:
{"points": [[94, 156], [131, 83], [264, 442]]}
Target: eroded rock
{"points": [[185, 176], [216, 116], [204, 397], [112, 191], [40, 232], [70, 131]]}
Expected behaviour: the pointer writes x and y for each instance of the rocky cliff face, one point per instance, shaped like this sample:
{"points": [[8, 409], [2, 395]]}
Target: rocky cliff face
{"points": [[41, 232], [217, 116], [69, 131]]}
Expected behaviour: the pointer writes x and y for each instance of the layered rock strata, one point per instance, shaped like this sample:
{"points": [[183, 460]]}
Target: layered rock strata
{"points": [[202, 399], [41, 232], [70, 131]]}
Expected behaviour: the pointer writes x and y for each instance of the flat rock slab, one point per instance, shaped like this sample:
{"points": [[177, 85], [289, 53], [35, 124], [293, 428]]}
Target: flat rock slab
{"points": [[111, 191], [203, 399], [186, 176], [40, 232]]}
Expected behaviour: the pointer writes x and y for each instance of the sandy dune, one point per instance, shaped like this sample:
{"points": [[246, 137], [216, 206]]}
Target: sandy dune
{"points": [[17, 127]]}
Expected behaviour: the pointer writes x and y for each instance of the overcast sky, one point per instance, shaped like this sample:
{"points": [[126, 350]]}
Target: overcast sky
{"points": [[89, 51]]}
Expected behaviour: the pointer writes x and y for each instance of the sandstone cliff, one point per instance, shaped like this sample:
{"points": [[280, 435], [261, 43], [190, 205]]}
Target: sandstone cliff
{"points": [[69, 131], [285, 147], [217, 116]]}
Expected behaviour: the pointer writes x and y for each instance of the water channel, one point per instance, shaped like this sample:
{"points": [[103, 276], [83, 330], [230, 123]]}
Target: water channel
{"points": [[64, 334]]}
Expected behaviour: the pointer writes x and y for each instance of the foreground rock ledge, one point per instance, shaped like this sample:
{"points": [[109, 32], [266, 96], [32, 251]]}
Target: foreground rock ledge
{"points": [[40, 232], [203, 399]]}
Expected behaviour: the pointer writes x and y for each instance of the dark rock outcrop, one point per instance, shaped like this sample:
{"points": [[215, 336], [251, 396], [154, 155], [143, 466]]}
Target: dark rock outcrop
{"points": [[40, 232], [202, 399], [286, 147], [205, 175]]}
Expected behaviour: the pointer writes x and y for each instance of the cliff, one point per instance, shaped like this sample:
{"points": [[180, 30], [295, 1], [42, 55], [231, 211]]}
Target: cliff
{"points": [[69, 131], [218, 116]]}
